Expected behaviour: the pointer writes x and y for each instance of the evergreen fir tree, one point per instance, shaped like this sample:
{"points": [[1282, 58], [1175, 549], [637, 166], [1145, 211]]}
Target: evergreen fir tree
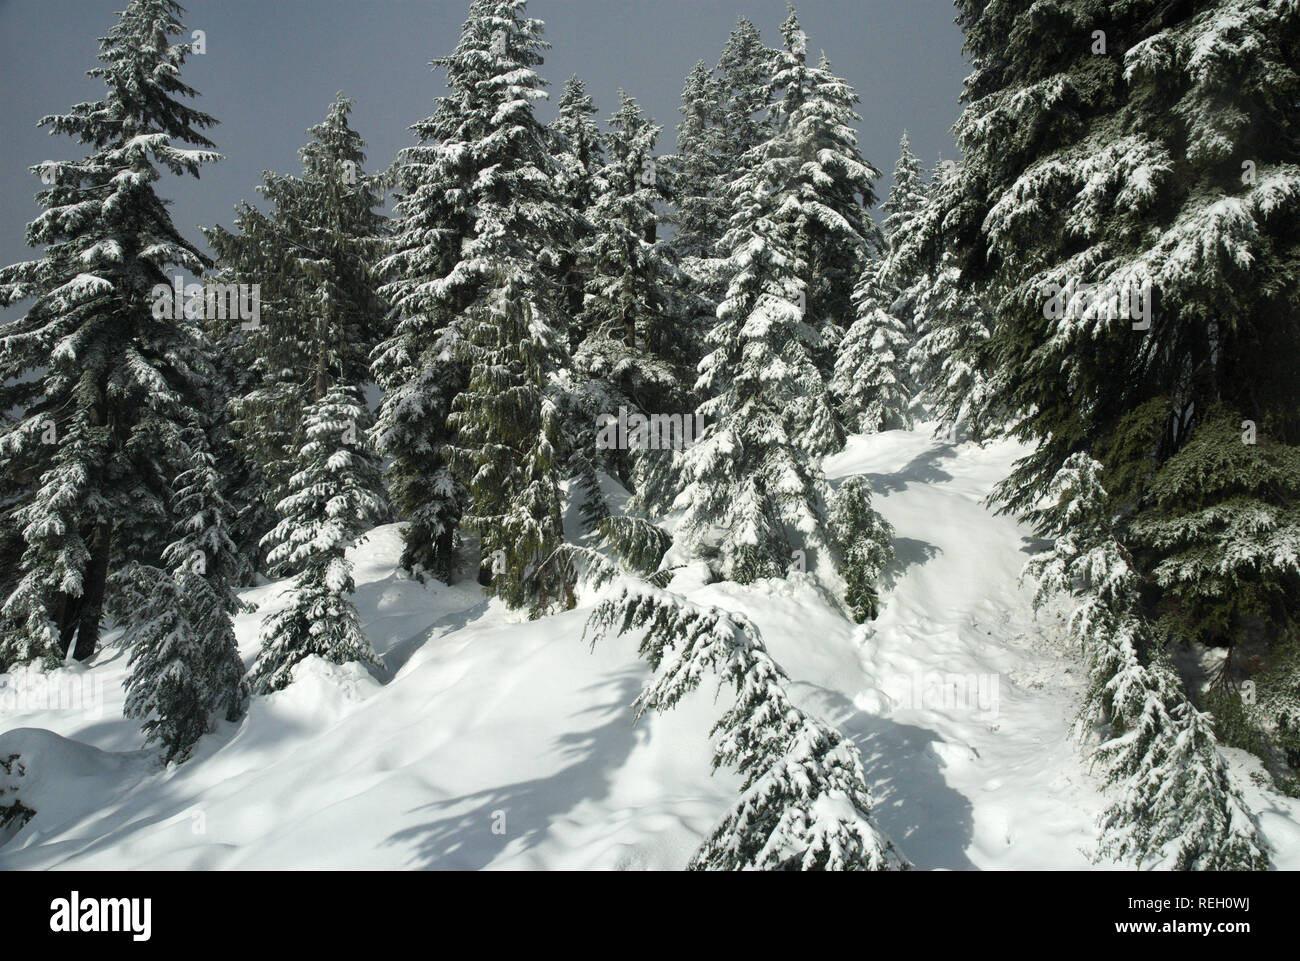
{"points": [[320, 313], [639, 310], [513, 331], [243, 482], [14, 490], [507, 424], [949, 359], [1159, 753], [870, 381], [902, 271], [1128, 195], [483, 220], [185, 666], [632, 295], [331, 501], [745, 72], [766, 411], [579, 157], [417, 366], [804, 803], [907, 196], [105, 386], [701, 211], [828, 181], [1222, 538], [580, 150], [865, 543]]}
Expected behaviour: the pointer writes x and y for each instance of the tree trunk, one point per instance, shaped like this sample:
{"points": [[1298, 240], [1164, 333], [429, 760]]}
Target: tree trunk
{"points": [[92, 598], [66, 608]]}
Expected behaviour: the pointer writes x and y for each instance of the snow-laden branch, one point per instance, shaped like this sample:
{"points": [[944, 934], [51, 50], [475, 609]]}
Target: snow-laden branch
{"points": [[804, 804]]}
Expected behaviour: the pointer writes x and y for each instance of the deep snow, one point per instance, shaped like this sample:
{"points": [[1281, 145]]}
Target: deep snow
{"points": [[494, 742]]}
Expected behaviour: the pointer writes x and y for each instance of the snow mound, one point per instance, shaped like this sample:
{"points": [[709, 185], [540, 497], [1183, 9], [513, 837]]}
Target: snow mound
{"points": [[65, 782]]}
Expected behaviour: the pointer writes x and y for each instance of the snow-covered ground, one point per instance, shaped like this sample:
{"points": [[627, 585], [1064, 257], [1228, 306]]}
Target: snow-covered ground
{"points": [[495, 742]]}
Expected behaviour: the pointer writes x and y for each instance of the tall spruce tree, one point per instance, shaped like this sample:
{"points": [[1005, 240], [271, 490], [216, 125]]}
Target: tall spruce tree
{"points": [[1158, 753], [751, 489], [579, 156], [639, 310], [511, 329], [106, 388], [320, 312], [745, 72], [870, 382], [725, 116], [907, 195], [630, 295], [700, 215], [481, 215], [832, 185], [950, 358], [579, 152], [418, 366], [1127, 198], [804, 804]]}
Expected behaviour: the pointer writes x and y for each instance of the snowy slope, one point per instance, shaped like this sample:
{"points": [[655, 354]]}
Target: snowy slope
{"points": [[494, 742]]}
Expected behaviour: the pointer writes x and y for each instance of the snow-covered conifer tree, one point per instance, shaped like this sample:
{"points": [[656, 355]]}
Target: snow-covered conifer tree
{"points": [[829, 183], [320, 314], [1128, 196], [1222, 536], [864, 542], [507, 424], [331, 501], [105, 383], [701, 210], [184, 664], [639, 310], [1159, 753], [751, 487], [417, 366], [579, 152], [744, 72], [949, 359], [580, 148], [477, 281], [635, 289], [870, 382], [804, 803], [907, 196]]}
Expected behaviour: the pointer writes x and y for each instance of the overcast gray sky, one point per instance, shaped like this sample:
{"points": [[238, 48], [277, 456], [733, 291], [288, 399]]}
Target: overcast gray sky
{"points": [[272, 67]]}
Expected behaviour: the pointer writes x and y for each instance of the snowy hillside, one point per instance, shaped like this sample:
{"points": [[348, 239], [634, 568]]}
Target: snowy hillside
{"points": [[495, 742]]}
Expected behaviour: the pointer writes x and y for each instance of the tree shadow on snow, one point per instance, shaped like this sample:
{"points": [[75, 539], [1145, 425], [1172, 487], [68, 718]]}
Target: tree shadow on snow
{"points": [[460, 833], [931, 823], [1035, 545], [924, 468], [908, 552], [395, 655]]}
